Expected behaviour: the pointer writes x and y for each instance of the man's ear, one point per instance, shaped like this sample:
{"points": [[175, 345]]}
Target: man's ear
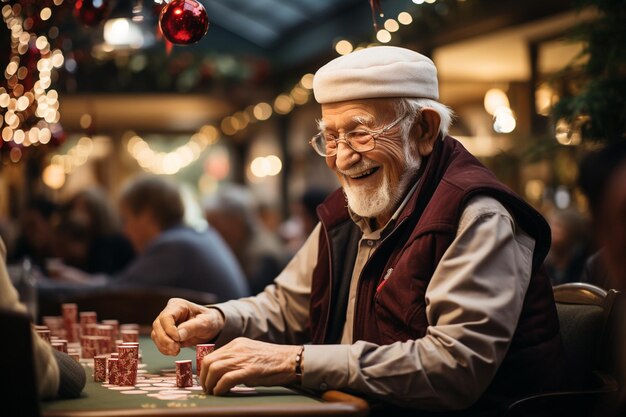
{"points": [[426, 130]]}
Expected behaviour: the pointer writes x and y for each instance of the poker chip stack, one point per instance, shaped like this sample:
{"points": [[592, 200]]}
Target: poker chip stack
{"points": [[184, 377], [127, 365], [201, 351], [116, 328], [60, 345], [70, 320], [130, 335], [55, 324], [106, 338], [43, 332], [112, 372], [100, 368], [88, 323], [87, 347]]}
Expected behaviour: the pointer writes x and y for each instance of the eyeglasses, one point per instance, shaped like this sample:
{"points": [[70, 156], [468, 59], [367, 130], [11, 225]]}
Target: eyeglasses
{"points": [[360, 140]]}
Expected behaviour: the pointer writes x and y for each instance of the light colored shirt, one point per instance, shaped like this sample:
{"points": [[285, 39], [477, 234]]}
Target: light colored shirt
{"points": [[370, 240], [474, 301], [46, 367]]}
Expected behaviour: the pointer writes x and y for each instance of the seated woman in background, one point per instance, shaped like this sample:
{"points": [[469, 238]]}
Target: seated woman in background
{"points": [[90, 236]]}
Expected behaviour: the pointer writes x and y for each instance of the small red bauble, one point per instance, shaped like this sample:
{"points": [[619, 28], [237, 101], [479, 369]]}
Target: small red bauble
{"points": [[183, 21]]}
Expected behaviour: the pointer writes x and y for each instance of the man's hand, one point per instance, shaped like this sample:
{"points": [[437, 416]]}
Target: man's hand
{"points": [[250, 362], [183, 323]]}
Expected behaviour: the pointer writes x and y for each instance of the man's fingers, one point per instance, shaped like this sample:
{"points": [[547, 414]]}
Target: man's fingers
{"points": [[214, 371], [170, 316], [229, 380], [164, 343], [199, 329], [165, 334]]}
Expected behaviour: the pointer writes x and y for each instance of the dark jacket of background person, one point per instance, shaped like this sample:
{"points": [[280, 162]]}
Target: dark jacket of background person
{"points": [[394, 309], [185, 258], [78, 247]]}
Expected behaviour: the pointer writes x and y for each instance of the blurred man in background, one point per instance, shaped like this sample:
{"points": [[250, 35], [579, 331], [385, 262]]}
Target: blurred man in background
{"points": [[232, 212], [170, 254]]}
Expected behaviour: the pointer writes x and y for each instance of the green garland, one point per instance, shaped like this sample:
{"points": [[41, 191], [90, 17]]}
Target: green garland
{"points": [[598, 104]]}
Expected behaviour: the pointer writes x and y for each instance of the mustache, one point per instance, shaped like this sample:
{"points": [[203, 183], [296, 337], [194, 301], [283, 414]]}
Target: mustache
{"points": [[363, 165]]}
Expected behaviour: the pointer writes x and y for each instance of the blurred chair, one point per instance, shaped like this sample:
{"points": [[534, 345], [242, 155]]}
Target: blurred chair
{"points": [[128, 305], [19, 393], [587, 316]]}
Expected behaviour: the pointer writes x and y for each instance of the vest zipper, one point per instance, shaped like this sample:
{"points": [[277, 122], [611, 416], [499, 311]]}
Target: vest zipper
{"points": [[360, 281]]}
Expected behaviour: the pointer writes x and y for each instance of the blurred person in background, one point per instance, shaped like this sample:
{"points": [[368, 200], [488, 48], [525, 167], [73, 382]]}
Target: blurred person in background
{"points": [[303, 220], [89, 235], [56, 374], [232, 212], [570, 246], [602, 178], [36, 239], [170, 254]]}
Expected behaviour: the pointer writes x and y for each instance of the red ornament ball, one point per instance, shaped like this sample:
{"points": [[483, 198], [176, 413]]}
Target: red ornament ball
{"points": [[91, 12], [183, 21]]}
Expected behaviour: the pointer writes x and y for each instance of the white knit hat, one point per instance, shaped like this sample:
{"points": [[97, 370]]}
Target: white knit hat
{"points": [[377, 72]]}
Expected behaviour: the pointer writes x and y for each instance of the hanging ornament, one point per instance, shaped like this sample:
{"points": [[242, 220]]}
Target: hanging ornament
{"points": [[91, 12], [183, 21], [376, 8]]}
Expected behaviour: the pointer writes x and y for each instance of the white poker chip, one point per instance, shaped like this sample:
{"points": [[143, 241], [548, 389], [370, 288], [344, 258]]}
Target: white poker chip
{"points": [[242, 389], [173, 392]]}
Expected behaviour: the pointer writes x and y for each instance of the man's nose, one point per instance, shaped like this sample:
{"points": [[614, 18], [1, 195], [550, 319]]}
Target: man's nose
{"points": [[346, 156]]}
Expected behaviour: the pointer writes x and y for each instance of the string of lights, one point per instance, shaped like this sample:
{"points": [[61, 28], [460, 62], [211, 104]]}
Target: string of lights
{"points": [[29, 115], [168, 163]]}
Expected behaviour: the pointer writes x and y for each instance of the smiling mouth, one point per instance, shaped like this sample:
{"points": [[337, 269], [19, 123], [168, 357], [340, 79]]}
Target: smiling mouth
{"points": [[364, 174]]}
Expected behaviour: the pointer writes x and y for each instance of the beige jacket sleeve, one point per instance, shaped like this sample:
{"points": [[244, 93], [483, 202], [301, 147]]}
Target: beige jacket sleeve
{"points": [[474, 301], [46, 368], [280, 313]]}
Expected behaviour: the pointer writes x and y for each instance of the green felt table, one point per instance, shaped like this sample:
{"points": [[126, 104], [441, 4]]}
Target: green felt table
{"points": [[99, 401]]}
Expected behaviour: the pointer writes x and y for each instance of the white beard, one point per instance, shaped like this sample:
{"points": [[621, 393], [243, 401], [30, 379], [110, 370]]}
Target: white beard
{"points": [[372, 203], [368, 203]]}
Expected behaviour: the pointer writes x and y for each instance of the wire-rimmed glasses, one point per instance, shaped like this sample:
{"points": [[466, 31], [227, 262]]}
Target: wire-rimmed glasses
{"points": [[359, 140]]}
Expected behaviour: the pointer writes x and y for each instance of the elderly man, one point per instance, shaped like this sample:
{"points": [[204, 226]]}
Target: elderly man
{"points": [[425, 290]]}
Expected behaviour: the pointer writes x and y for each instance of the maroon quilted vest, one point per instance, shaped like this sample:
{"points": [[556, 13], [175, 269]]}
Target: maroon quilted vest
{"points": [[450, 177]]}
